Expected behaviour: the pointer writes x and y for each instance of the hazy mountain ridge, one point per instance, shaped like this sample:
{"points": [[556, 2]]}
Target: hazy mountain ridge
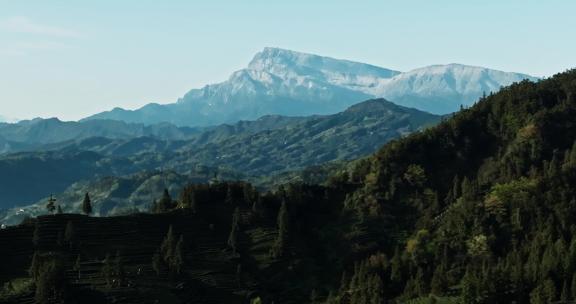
{"points": [[247, 147], [303, 142], [54, 130], [284, 82], [29, 135]]}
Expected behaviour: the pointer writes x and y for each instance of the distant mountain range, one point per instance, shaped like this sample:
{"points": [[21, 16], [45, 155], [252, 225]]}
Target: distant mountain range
{"points": [[284, 82], [28, 135], [269, 146]]}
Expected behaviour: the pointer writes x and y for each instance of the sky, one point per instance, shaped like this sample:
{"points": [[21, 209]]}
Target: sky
{"points": [[70, 59]]}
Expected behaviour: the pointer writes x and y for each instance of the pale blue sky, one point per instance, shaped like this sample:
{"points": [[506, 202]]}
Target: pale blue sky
{"points": [[70, 59]]}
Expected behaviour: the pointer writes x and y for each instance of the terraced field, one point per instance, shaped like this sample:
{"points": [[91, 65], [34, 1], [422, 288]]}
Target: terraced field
{"points": [[212, 272]]}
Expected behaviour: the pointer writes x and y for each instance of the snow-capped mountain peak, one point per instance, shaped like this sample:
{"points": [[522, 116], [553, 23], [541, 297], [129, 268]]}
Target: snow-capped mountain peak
{"points": [[276, 59], [442, 89], [283, 82]]}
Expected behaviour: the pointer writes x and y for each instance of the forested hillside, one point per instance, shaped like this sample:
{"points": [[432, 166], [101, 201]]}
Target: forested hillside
{"points": [[478, 209]]}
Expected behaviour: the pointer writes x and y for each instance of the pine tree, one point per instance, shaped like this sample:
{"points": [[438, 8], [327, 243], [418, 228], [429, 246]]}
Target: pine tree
{"points": [[178, 259], [554, 165], [36, 235], [59, 210], [456, 191], [468, 189], [34, 268], [170, 253], [235, 231], [166, 201], [469, 288], [549, 291], [51, 205], [571, 162], [87, 204], [279, 249], [188, 200], [257, 207], [77, 266], [396, 266], [376, 290], [438, 282], [168, 244], [420, 287], [344, 282]]}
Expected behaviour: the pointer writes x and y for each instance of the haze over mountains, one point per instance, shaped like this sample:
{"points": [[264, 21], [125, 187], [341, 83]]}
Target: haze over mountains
{"points": [[265, 147], [7, 119], [28, 135], [285, 82]]}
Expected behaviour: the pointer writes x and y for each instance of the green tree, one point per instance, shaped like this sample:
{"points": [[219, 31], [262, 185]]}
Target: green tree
{"points": [[78, 266], [170, 254], [165, 202], [570, 159], [234, 231], [177, 263], [168, 244], [279, 248], [188, 200], [34, 269], [420, 284], [51, 205], [257, 207], [438, 282], [396, 266], [375, 289], [469, 288], [87, 204], [36, 234], [415, 175]]}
